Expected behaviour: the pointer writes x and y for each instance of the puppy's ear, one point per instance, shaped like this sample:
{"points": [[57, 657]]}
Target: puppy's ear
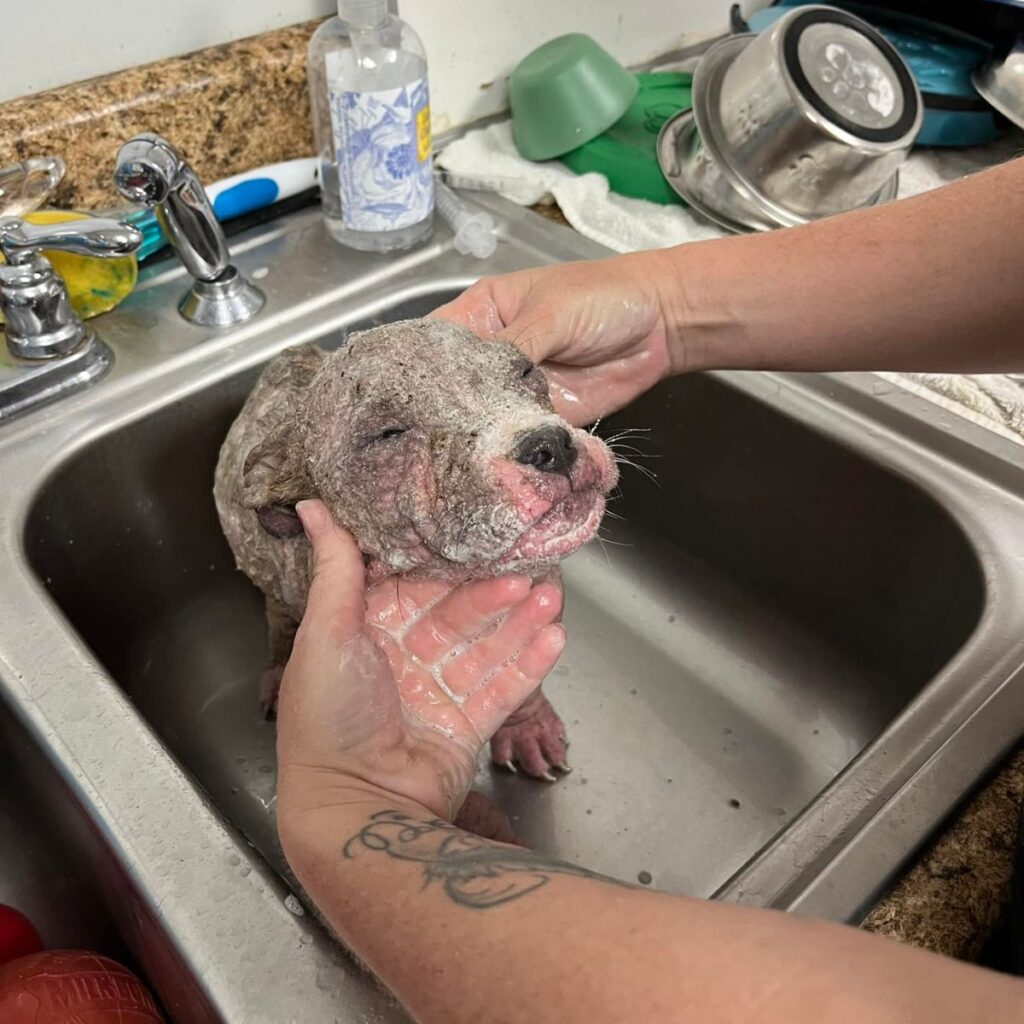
{"points": [[274, 473], [295, 367]]}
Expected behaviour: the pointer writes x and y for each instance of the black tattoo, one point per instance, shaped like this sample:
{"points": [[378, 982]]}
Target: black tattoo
{"points": [[473, 871]]}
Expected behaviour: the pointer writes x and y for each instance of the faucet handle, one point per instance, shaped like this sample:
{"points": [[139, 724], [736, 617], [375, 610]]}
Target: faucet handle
{"points": [[40, 323], [89, 236]]}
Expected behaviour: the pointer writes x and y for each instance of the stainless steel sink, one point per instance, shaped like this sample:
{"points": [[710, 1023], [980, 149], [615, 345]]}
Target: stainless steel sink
{"points": [[40, 872], [797, 651]]}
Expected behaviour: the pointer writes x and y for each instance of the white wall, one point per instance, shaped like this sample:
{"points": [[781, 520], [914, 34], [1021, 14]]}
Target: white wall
{"points": [[54, 42], [472, 44]]}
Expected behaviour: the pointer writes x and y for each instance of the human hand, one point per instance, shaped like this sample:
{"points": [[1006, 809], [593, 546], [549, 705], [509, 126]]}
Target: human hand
{"points": [[599, 329], [397, 688]]}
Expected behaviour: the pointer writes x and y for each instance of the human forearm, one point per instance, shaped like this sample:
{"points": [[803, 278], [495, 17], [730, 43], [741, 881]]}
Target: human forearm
{"points": [[928, 283], [464, 930]]}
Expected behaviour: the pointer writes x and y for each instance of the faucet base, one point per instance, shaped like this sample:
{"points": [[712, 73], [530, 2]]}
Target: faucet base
{"points": [[228, 299], [25, 384]]}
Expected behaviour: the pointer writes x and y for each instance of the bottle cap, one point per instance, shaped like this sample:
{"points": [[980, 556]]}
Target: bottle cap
{"points": [[363, 13]]}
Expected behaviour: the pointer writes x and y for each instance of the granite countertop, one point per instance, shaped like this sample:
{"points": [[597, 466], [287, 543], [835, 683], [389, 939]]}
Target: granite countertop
{"points": [[233, 107], [228, 108]]}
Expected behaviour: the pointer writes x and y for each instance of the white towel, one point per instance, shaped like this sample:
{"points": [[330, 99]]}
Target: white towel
{"points": [[487, 157]]}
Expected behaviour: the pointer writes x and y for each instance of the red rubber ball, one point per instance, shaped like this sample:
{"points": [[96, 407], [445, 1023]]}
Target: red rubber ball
{"points": [[73, 987], [17, 936]]}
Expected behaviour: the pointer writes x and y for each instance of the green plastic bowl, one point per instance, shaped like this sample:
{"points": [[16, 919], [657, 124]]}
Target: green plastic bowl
{"points": [[627, 154], [564, 94]]}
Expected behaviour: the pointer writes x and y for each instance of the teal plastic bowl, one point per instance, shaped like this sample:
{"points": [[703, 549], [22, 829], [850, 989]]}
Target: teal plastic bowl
{"points": [[564, 94]]}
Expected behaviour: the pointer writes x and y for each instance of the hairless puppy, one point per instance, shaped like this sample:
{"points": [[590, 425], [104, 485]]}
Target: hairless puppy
{"points": [[443, 457]]}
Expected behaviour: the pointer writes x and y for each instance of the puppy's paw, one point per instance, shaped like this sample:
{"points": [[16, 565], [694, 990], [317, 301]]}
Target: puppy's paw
{"points": [[533, 740]]}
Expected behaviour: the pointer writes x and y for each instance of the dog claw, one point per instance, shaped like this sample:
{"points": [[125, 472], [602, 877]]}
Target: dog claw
{"points": [[509, 766], [534, 739]]}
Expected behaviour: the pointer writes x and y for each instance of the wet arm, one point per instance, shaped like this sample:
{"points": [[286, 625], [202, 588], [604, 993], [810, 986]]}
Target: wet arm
{"points": [[927, 283], [465, 930]]}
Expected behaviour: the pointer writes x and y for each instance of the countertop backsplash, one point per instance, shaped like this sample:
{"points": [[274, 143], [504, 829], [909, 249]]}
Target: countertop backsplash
{"points": [[472, 48]]}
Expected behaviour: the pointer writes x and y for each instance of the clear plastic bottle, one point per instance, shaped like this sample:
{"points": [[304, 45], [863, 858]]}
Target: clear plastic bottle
{"points": [[371, 122]]}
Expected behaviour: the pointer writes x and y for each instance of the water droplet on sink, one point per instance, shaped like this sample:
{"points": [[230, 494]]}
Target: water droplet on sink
{"points": [[293, 906], [644, 877], [234, 860], [734, 803]]}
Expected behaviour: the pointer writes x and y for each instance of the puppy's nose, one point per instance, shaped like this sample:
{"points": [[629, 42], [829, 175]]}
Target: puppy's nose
{"points": [[549, 449]]}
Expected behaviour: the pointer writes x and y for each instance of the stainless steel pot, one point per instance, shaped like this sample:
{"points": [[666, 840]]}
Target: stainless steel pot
{"points": [[812, 117], [1001, 83]]}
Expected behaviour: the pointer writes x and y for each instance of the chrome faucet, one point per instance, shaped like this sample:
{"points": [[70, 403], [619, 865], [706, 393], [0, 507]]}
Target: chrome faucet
{"points": [[150, 171], [40, 323], [52, 351]]}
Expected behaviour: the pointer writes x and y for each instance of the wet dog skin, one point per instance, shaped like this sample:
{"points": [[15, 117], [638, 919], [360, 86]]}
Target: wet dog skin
{"points": [[443, 457]]}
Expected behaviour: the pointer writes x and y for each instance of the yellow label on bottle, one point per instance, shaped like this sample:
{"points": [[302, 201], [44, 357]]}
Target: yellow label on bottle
{"points": [[423, 133]]}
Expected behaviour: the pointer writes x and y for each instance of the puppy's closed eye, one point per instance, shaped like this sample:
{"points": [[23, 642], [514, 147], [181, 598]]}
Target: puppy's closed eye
{"points": [[388, 434]]}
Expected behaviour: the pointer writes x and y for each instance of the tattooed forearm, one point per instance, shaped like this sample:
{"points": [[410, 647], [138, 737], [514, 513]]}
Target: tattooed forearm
{"points": [[472, 871]]}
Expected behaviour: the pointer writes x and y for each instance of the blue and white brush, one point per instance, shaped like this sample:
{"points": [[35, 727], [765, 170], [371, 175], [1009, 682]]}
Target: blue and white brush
{"points": [[232, 197]]}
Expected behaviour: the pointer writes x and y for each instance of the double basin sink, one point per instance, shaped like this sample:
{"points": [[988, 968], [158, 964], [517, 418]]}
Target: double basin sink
{"points": [[797, 650]]}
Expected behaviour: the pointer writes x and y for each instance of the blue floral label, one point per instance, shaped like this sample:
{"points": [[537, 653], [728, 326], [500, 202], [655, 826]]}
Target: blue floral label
{"points": [[382, 142]]}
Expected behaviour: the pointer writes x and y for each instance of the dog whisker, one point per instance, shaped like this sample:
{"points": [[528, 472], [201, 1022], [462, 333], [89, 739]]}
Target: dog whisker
{"points": [[650, 474], [614, 543]]}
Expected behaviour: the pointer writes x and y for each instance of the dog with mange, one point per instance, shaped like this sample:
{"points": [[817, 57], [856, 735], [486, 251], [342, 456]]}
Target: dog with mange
{"points": [[440, 453]]}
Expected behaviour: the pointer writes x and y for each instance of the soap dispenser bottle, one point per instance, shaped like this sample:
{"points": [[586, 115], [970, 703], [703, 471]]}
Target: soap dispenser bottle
{"points": [[371, 123]]}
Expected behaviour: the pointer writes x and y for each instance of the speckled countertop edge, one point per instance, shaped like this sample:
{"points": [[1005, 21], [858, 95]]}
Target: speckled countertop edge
{"points": [[233, 107], [951, 899]]}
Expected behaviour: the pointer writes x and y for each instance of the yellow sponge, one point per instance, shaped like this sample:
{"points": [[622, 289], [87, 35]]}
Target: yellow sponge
{"points": [[94, 285]]}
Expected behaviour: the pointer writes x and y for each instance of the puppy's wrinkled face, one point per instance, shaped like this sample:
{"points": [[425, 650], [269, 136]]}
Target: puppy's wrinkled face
{"points": [[443, 456]]}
